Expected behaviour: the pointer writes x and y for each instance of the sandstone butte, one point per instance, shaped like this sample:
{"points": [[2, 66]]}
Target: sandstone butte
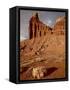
{"points": [[44, 48]]}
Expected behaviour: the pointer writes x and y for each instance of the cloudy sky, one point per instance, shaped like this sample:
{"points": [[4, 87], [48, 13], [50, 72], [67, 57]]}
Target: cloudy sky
{"points": [[46, 17]]}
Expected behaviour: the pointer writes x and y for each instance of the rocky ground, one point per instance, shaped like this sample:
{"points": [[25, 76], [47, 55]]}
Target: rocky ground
{"points": [[48, 52]]}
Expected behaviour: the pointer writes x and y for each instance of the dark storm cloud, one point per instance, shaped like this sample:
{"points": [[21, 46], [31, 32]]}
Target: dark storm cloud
{"points": [[46, 17]]}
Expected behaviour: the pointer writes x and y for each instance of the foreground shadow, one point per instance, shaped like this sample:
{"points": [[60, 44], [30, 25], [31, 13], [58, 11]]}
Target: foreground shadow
{"points": [[50, 71]]}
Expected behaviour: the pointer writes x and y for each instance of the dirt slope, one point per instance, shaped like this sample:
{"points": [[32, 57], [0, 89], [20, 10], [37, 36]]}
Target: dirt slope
{"points": [[47, 51]]}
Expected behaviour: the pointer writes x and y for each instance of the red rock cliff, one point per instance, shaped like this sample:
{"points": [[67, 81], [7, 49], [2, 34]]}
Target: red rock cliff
{"points": [[37, 28]]}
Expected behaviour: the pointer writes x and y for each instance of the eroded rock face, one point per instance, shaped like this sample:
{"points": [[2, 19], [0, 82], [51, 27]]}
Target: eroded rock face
{"points": [[37, 28], [38, 72], [46, 50], [59, 27]]}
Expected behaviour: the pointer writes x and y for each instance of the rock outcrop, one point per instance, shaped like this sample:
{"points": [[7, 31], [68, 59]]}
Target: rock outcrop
{"points": [[37, 28], [59, 27]]}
